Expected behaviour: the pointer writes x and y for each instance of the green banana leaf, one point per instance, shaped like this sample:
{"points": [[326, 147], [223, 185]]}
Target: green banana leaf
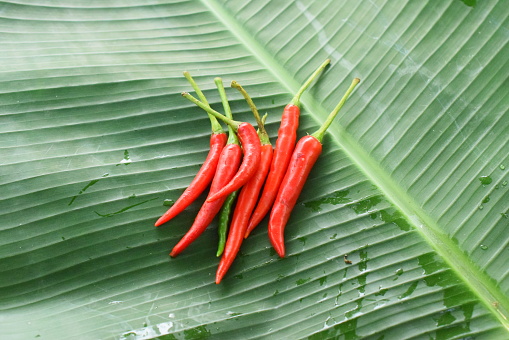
{"points": [[95, 139]]}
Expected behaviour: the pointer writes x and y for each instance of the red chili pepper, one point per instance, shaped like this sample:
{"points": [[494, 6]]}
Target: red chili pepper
{"points": [[248, 195], [207, 170], [285, 143], [245, 205], [228, 165], [302, 160], [250, 145], [252, 149], [226, 169]]}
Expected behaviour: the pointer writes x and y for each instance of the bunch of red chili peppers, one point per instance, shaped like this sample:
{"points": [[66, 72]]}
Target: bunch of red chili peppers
{"points": [[247, 175]]}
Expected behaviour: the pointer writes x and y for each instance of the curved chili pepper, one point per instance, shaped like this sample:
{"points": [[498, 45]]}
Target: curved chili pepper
{"points": [[250, 144], [226, 169], [207, 170], [228, 165], [248, 194], [252, 149], [285, 143], [245, 205], [200, 181], [302, 160], [265, 161], [224, 221]]}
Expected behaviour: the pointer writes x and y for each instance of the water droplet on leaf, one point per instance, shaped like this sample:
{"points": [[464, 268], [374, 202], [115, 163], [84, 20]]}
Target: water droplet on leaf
{"points": [[168, 202], [485, 180]]}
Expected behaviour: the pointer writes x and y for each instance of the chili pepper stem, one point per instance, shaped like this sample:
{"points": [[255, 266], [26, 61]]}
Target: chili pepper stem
{"points": [[321, 131], [216, 127], [296, 98], [234, 124], [264, 137], [232, 137]]}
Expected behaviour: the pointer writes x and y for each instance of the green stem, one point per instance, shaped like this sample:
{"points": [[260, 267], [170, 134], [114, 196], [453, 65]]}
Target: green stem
{"points": [[264, 137], [264, 118], [234, 124], [296, 99], [321, 131], [216, 127], [232, 137]]}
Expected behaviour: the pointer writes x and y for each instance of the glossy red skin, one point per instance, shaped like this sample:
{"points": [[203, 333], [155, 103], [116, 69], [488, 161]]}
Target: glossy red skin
{"points": [[200, 181], [227, 166], [306, 152], [251, 146], [245, 204], [285, 143]]}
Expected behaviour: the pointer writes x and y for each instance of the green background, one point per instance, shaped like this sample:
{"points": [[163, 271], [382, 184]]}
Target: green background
{"points": [[411, 184]]}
